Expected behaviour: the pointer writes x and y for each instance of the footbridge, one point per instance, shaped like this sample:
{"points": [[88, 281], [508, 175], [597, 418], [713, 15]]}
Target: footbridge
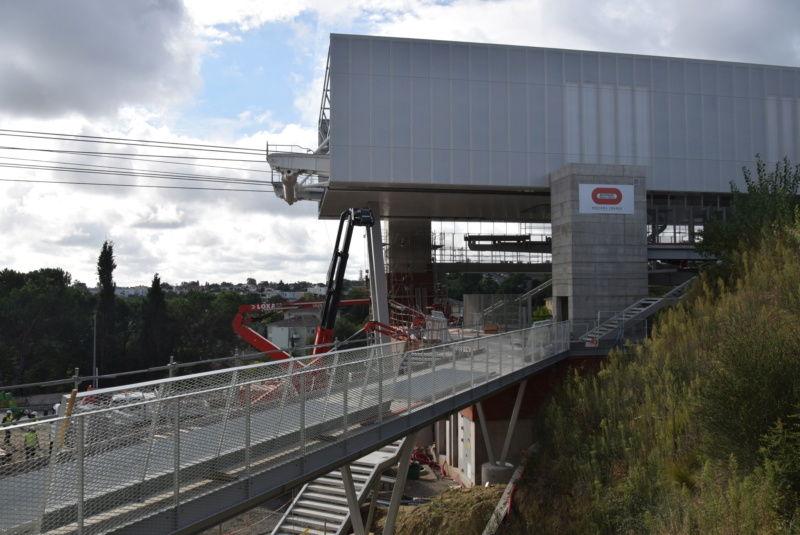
{"points": [[182, 454]]}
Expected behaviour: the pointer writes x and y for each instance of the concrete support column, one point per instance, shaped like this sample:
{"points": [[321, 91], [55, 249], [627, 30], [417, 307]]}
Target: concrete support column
{"points": [[409, 263], [599, 221]]}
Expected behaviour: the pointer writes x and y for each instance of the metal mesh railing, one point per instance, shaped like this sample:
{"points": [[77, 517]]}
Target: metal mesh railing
{"points": [[115, 456]]}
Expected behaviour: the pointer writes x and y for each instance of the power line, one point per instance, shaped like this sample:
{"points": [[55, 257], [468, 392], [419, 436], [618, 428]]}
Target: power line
{"points": [[130, 185], [126, 141], [120, 171], [108, 154]]}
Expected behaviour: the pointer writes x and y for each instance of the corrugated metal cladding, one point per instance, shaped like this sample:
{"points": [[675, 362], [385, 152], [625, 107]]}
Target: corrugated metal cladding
{"points": [[418, 112]]}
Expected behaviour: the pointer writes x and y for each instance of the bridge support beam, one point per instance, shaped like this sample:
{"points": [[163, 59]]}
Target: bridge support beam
{"points": [[399, 483], [377, 269], [352, 500]]}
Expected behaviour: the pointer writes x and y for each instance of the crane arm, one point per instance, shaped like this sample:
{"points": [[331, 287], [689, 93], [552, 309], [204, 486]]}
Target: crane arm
{"points": [[349, 219]]}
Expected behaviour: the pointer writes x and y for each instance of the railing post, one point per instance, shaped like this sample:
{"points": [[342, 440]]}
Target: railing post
{"points": [[176, 458], [433, 378], [171, 367], [380, 391], [344, 406], [81, 476], [302, 415], [409, 369], [247, 431], [76, 378]]}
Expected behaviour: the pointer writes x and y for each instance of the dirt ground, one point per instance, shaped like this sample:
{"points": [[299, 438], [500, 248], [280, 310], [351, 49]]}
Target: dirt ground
{"points": [[445, 508]]}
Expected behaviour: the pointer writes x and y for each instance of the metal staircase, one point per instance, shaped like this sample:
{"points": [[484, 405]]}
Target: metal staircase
{"points": [[615, 327], [530, 293], [321, 506]]}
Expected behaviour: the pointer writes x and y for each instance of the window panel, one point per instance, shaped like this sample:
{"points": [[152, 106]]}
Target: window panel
{"points": [[380, 57], [694, 129], [555, 74], [421, 60], [710, 119], [555, 119], [661, 125], [459, 62], [572, 112], [535, 73], [709, 78], [741, 82], [440, 60], [359, 56], [608, 69], [478, 62], [516, 65], [499, 168], [421, 162], [608, 136], [693, 78], [660, 75], [677, 127], [498, 122], [676, 84], [420, 112], [479, 115], [589, 123], [460, 116], [498, 64], [625, 70], [744, 149], [441, 109], [401, 112], [379, 113], [537, 119], [643, 75], [725, 80], [625, 123], [517, 123], [590, 69], [572, 67]]}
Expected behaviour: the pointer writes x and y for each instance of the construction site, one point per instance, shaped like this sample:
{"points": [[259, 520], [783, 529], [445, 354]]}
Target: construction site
{"points": [[572, 168]]}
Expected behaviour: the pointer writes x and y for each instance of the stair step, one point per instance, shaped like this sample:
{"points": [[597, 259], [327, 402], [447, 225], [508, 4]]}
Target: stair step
{"points": [[308, 513], [323, 505]]}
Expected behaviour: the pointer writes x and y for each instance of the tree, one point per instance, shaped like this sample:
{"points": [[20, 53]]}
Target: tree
{"points": [[45, 331], [105, 308], [155, 335], [516, 283], [766, 208]]}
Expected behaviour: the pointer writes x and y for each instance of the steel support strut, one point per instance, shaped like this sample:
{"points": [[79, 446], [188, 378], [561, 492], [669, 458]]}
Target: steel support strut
{"points": [[399, 483]]}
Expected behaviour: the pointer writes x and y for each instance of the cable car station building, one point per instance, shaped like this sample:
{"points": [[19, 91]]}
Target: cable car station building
{"points": [[611, 149], [614, 151]]}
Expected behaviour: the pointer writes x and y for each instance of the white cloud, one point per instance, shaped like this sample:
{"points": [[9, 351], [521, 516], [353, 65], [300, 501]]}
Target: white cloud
{"points": [[89, 58], [128, 69]]}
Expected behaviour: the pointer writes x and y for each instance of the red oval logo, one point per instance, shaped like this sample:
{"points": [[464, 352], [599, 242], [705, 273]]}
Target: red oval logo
{"points": [[606, 196]]}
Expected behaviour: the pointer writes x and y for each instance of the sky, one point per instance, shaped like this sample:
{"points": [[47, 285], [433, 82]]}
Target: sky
{"points": [[244, 73]]}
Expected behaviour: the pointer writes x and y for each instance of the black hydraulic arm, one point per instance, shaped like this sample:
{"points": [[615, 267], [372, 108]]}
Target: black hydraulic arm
{"points": [[354, 217]]}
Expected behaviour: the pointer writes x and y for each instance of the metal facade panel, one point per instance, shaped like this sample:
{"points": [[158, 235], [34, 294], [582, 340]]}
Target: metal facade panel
{"points": [[444, 113]]}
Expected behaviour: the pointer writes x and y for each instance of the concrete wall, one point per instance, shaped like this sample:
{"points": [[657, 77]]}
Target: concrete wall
{"points": [[599, 259]]}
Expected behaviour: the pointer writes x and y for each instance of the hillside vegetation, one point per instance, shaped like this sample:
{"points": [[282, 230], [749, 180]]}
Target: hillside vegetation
{"points": [[695, 431]]}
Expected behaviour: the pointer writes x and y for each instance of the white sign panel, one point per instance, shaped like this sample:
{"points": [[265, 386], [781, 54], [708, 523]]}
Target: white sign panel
{"points": [[605, 199]]}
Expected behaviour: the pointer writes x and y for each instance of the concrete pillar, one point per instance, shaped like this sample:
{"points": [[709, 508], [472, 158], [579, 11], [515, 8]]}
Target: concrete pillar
{"points": [[409, 265], [599, 222]]}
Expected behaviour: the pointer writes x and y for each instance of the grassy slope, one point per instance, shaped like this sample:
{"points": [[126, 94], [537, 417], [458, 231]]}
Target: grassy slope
{"points": [[669, 438]]}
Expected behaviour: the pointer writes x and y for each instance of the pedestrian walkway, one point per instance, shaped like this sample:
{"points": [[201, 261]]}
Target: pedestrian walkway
{"points": [[182, 454]]}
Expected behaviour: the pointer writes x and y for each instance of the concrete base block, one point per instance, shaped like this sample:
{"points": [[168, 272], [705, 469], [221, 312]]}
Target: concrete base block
{"points": [[496, 474]]}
